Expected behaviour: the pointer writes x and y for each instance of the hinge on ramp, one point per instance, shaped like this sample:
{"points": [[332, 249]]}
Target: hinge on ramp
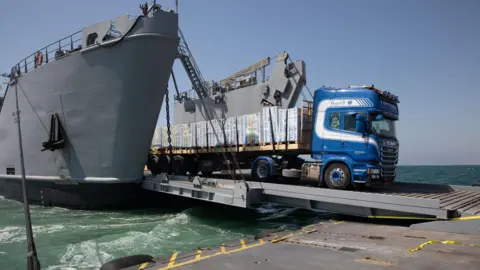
{"points": [[163, 179]]}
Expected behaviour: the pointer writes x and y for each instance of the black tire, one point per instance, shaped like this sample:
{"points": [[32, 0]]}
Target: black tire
{"points": [[152, 164], [164, 164], [178, 165], [125, 262], [206, 172], [192, 166], [337, 176], [205, 169], [261, 171]]}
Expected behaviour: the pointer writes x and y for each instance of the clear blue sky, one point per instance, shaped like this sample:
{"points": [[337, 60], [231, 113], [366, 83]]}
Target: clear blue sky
{"points": [[427, 52]]}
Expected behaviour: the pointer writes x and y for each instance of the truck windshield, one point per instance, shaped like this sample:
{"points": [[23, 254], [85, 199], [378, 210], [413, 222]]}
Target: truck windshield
{"points": [[384, 128]]}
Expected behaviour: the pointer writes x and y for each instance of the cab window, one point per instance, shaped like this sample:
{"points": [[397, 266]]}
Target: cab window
{"points": [[335, 120], [350, 122]]}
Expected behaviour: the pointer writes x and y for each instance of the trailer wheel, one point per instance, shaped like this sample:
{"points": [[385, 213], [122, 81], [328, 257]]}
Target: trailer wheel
{"points": [[152, 164], [261, 171], [206, 172], [337, 176], [191, 165], [164, 164], [206, 167], [178, 165]]}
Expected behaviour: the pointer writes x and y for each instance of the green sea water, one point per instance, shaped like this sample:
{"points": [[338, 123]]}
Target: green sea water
{"points": [[71, 239]]}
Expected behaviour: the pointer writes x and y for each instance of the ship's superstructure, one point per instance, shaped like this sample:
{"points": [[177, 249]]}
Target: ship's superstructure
{"points": [[86, 129], [245, 92]]}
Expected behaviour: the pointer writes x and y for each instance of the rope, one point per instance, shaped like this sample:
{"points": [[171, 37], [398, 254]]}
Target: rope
{"points": [[31, 105], [237, 166], [32, 260], [123, 36]]}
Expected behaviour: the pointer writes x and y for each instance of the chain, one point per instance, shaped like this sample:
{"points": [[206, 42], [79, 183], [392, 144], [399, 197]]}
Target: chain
{"points": [[167, 110]]}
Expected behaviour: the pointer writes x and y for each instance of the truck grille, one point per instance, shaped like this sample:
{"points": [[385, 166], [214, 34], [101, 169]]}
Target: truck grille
{"points": [[389, 159]]}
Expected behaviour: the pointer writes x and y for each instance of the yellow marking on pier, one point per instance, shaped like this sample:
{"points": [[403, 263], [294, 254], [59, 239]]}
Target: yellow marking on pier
{"points": [[376, 261], [172, 259], [423, 218], [403, 218], [446, 242], [222, 251], [466, 218], [143, 266], [243, 246], [199, 254]]}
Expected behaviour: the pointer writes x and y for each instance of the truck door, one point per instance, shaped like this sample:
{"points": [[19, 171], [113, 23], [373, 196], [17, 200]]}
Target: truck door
{"points": [[352, 143], [332, 143]]}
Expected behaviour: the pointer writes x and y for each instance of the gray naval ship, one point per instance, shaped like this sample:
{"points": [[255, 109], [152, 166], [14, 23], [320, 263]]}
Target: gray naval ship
{"points": [[82, 101]]}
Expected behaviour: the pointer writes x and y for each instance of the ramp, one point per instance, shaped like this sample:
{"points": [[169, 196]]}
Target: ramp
{"points": [[407, 200]]}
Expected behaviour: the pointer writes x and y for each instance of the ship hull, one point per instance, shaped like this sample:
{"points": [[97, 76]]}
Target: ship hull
{"points": [[91, 196], [107, 99]]}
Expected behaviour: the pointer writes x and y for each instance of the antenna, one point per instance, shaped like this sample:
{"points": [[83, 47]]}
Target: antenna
{"points": [[32, 259], [176, 6]]}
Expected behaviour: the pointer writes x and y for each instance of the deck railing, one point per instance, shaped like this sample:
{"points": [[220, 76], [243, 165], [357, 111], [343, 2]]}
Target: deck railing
{"points": [[51, 52]]}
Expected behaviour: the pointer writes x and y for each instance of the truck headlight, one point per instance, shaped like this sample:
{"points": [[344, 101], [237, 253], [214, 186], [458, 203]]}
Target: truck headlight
{"points": [[373, 171]]}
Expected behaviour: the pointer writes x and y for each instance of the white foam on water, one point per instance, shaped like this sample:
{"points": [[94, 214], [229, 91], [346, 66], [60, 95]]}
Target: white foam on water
{"points": [[10, 234], [84, 255], [267, 208], [92, 254], [16, 234], [278, 214]]}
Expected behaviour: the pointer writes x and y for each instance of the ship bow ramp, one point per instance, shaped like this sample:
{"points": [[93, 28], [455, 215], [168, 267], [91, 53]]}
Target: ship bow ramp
{"points": [[105, 86]]}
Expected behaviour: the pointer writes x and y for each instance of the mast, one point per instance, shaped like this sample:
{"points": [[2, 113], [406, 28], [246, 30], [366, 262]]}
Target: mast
{"points": [[32, 260]]}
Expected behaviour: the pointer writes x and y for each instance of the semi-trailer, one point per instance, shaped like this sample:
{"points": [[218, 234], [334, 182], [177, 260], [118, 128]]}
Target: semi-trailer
{"points": [[348, 133]]}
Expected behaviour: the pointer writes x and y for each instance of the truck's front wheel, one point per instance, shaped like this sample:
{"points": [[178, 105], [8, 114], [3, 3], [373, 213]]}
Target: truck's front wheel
{"points": [[337, 176], [261, 171]]}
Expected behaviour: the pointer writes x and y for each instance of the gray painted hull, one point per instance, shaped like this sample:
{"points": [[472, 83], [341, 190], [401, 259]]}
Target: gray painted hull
{"points": [[108, 100]]}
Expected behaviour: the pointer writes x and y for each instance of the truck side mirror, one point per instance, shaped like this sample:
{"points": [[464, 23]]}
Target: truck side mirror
{"points": [[360, 123]]}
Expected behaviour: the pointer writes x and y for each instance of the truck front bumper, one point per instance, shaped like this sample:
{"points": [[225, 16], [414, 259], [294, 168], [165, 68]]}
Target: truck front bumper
{"points": [[371, 176]]}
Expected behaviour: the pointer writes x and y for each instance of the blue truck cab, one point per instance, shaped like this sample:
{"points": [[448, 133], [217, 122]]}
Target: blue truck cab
{"points": [[353, 136]]}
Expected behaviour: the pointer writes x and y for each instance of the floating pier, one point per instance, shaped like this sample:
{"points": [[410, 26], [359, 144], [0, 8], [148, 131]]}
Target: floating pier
{"points": [[333, 245]]}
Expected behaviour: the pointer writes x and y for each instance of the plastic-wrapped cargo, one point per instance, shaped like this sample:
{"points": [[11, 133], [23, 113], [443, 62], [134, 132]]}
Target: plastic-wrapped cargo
{"points": [[249, 130], [157, 137], [211, 139], [215, 135], [165, 136], [292, 132], [201, 134], [267, 127], [191, 135], [220, 127], [186, 136], [177, 136], [282, 121], [231, 131]]}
